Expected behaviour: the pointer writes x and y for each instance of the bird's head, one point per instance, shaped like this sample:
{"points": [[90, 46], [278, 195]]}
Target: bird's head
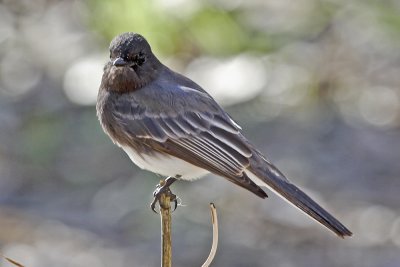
{"points": [[130, 50], [132, 64]]}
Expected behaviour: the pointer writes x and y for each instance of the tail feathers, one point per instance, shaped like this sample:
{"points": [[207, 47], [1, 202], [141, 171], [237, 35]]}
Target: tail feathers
{"points": [[278, 183]]}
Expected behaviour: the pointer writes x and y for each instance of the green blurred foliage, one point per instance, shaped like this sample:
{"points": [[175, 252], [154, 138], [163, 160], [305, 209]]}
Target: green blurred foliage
{"points": [[40, 140], [111, 18], [208, 30], [389, 16]]}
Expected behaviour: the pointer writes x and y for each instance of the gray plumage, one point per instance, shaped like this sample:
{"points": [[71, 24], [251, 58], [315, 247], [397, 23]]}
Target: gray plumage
{"points": [[145, 106]]}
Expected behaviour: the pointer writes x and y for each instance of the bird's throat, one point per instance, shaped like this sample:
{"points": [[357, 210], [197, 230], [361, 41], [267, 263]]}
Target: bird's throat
{"points": [[121, 79]]}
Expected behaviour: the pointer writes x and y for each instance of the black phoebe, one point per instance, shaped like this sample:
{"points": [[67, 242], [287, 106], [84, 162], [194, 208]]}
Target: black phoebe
{"points": [[169, 125]]}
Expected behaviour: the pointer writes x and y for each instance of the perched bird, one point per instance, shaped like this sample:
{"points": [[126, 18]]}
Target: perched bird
{"points": [[169, 125]]}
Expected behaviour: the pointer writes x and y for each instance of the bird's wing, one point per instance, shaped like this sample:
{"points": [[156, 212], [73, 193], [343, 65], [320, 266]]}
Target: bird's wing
{"points": [[210, 140]]}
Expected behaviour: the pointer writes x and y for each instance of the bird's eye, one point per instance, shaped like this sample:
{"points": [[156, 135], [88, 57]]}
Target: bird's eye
{"points": [[139, 58]]}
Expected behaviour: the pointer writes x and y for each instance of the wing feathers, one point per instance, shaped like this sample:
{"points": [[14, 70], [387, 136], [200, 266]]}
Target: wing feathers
{"points": [[170, 122], [224, 124], [226, 161], [207, 139], [232, 140]]}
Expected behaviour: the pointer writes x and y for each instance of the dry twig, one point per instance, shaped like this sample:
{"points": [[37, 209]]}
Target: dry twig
{"points": [[12, 261], [166, 237], [214, 220]]}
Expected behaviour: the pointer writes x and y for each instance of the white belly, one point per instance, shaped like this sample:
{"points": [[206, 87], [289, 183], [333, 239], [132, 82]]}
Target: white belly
{"points": [[165, 165]]}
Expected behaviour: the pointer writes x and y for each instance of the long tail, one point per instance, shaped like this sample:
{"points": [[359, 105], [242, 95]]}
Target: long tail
{"points": [[270, 176]]}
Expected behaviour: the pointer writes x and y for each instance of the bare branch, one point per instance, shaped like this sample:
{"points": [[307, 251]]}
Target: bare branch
{"points": [[214, 220], [166, 239], [12, 261]]}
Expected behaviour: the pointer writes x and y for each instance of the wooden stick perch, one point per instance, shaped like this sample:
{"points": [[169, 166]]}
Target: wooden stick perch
{"points": [[166, 238]]}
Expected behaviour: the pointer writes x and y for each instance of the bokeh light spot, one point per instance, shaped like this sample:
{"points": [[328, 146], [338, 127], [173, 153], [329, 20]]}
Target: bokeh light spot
{"points": [[230, 81], [379, 106], [18, 74], [82, 80], [375, 225]]}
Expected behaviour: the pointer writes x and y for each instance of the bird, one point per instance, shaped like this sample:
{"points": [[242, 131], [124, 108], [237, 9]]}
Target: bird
{"points": [[169, 125]]}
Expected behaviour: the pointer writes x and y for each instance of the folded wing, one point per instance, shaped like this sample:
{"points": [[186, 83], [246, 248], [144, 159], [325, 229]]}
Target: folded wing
{"points": [[208, 140]]}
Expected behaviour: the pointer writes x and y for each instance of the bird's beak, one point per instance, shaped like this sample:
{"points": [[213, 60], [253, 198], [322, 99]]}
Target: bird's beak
{"points": [[119, 62]]}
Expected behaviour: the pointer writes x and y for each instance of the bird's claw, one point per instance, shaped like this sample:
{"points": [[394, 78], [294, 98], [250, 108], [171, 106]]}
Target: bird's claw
{"points": [[163, 189]]}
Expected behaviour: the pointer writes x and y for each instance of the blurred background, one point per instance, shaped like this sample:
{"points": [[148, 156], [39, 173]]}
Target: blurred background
{"points": [[314, 83]]}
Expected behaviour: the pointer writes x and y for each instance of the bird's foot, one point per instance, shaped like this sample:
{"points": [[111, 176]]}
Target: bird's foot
{"points": [[163, 188]]}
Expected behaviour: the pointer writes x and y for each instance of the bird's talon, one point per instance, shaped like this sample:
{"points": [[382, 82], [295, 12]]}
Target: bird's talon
{"points": [[175, 200], [163, 188], [153, 205]]}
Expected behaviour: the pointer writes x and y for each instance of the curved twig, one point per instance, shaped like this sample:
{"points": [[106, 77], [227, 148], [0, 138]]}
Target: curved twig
{"points": [[214, 220]]}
